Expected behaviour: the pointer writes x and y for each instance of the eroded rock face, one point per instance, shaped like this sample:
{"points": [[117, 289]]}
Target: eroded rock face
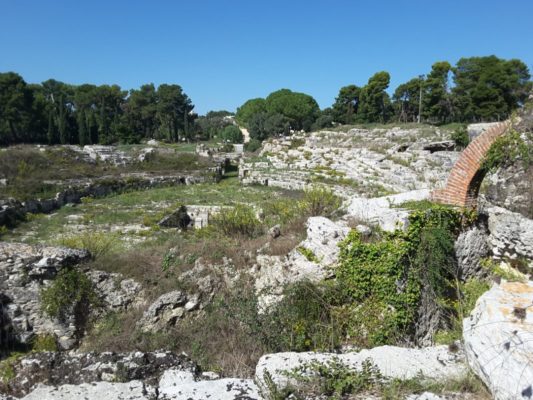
{"points": [[511, 234], [134, 390], [498, 339], [393, 362], [381, 211], [310, 260], [471, 247], [182, 385], [24, 271], [57, 369], [359, 162]]}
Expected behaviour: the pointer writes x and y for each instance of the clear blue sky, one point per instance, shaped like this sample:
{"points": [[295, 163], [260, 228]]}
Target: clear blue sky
{"points": [[225, 52]]}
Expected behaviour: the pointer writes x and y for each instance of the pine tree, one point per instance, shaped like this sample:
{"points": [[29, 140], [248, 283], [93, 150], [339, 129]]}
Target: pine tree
{"points": [[82, 128], [51, 134]]}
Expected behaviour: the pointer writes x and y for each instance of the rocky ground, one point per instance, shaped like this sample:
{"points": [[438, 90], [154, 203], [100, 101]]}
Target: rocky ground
{"points": [[359, 165]]}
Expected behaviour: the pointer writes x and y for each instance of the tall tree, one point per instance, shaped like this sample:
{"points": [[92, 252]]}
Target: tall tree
{"points": [[15, 108], [346, 104], [406, 100], [374, 100], [248, 110], [173, 110], [489, 88], [437, 104]]}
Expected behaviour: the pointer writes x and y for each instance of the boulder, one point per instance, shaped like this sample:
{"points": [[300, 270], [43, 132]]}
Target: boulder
{"points": [[133, 390], [498, 340], [511, 234], [435, 363], [164, 312], [379, 210], [24, 271], [181, 385], [311, 260], [178, 219], [471, 247], [117, 293], [56, 369], [445, 145]]}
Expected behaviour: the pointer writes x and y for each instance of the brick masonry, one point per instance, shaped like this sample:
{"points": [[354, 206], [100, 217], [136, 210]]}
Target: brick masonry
{"points": [[465, 178]]}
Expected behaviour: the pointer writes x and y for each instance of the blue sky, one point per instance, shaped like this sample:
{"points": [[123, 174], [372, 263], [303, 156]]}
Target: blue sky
{"points": [[225, 52]]}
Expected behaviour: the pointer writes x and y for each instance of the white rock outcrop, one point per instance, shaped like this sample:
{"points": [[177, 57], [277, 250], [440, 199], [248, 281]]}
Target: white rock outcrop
{"points": [[181, 385], [393, 362], [133, 390], [511, 234], [380, 211], [498, 339], [310, 260]]}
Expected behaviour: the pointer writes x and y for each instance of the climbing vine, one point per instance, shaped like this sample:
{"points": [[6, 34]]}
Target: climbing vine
{"points": [[391, 272]]}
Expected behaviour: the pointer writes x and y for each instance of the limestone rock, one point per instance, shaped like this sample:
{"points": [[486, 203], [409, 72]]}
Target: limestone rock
{"points": [[275, 231], [117, 293], [58, 369], [182, 385], [133, 390], [310, 260], [475, 130], [436, 363], [164, 312], [511, 234], [498, 338], [379, 210], [24, 271], [472, 246]]}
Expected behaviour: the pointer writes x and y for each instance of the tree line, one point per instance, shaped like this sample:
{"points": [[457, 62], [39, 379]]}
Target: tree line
{"points": [[475, 89], [55, 112]]}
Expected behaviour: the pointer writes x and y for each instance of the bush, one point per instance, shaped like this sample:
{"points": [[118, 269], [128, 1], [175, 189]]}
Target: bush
{"points": [[44, 343], [392, 273], [238, 221], [252, 146], [320, 201], [506, 150], [460, 137], [70, 294], [97, 243], [232, 134]]}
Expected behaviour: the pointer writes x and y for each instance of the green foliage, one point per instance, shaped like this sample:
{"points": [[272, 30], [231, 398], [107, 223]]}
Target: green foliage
{"points": [[237, 221], [506, 150], [320, 201], [336, 379], [97, 243], [390, 273], [346, 104], [232, 134], [308, 254], [249, 109], [70, 293], [252, 146], [45, 342], [304, 320], [460, 137], [7, 367], [374, 101], [461, 306]]}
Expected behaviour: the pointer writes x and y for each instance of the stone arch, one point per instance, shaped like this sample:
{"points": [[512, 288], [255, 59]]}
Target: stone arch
{"points": [[464, 181]]}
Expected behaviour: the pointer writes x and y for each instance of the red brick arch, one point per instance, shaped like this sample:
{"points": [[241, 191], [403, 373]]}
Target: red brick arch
{"points": [[465, 178]]}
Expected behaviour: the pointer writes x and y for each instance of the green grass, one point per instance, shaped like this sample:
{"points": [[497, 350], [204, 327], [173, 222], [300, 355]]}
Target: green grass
{"points": [[141, 207]]}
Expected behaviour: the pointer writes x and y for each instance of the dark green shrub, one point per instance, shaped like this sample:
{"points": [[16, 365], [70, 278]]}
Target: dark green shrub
{"points": [[320, 201], [70, 294], [506, 150], [238, 221], [252, 146], [460, 137]]}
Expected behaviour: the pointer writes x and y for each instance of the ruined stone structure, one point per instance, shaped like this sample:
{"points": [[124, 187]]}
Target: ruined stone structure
{"points": [[465, 178]]}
